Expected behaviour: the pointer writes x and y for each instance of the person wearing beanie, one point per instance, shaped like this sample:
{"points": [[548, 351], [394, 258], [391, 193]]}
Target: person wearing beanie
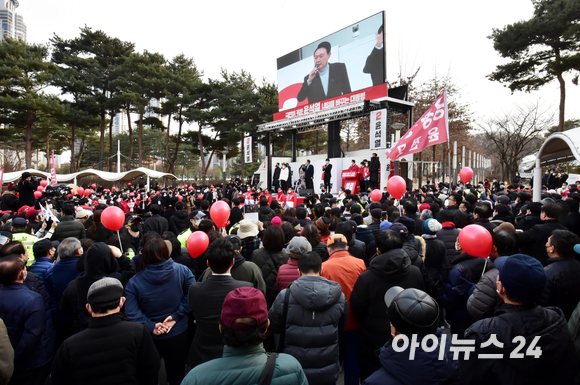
{"points": [[112, 350], [288, 273], [550, 357], [243, 323], [345, 269], [323, 224], [414, 315]]}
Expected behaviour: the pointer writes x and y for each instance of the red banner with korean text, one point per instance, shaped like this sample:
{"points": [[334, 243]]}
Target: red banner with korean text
{"points": [[432, 128]]}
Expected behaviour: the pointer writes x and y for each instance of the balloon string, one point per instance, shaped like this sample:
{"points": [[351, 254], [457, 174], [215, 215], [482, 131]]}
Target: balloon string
{"points": [[484, 266], [120, 245]]}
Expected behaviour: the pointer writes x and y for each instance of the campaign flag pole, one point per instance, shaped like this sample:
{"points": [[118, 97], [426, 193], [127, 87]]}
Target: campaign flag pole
{"points": [[52, 170], [432, 128]]}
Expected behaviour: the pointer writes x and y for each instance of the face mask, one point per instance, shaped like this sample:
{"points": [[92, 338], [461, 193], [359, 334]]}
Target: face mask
{"points": [[82, 251], [25, 274], [457, 247], [48, 206]]}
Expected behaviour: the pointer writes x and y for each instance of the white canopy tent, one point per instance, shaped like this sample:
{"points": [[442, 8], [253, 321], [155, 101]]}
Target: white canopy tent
{"points": [[105, 175], [559, 147]]}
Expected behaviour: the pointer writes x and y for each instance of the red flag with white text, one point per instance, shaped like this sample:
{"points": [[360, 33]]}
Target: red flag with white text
{"points": [[52, 171], [432, 128]]}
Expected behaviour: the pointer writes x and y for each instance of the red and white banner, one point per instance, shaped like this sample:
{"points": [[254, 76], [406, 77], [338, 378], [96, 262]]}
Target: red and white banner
{"points": [[432, 128], [52, 170]]}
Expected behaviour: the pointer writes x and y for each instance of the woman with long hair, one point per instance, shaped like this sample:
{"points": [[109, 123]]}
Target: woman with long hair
{"points": [[157, 297]]}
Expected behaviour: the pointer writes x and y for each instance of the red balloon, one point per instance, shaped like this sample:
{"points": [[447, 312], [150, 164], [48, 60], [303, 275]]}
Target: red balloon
{"points": [[190, 188], [131, 194], [466, 174], [180, 197], [88, 192], [185, 185], [129, 184], [40, 188], [197, 244], [396, 186], [37, 194], [476, 241], [113, 188], [113, 218], [43, 183], [220, 213], [376, 195], [80, 190], [94, 185]]}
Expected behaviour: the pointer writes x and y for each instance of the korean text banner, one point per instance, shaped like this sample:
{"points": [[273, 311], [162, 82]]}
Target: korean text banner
{"points": [[248, 149], [432, 128], [378, 129], [346, 61]]}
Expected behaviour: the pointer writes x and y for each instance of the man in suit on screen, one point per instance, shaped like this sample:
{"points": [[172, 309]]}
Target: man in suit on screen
{"points": [[326, 80]]}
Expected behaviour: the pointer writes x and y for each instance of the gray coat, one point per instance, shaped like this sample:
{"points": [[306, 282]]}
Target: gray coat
{"points": [[317, 310]]}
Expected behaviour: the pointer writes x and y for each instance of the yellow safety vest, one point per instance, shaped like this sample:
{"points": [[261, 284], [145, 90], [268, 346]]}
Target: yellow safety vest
{"points": [[182, 238], [28, 240]]}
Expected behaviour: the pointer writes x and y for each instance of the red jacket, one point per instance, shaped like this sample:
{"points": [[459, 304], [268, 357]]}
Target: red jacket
{"points": [[292, 198], [281, 198]]}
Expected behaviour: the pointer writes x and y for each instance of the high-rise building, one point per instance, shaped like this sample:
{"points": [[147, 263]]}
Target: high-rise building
{"points": [[120, 125], [11, 23]]}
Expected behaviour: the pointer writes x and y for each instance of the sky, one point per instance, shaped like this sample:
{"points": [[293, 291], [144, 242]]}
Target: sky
{"points": [[441, 37]]}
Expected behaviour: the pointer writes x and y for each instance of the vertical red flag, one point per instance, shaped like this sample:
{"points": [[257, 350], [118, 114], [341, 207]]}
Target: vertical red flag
{"points": [[52, 170], [432, 128]]}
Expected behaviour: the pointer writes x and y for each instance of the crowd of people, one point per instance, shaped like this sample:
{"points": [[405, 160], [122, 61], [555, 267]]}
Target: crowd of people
{"points": [[382, 292]]}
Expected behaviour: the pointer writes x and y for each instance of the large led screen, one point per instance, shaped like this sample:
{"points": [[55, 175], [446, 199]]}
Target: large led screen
{"points": [[343, 63]]}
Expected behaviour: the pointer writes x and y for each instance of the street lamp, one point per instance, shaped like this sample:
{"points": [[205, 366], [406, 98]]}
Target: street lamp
{"points": [[224, 153]]}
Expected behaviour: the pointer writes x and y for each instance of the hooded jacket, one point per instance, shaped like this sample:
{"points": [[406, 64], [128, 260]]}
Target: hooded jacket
{"points": [[425, 369], [386, 270], [99, 263], [557, 363], [266, 214], [68, 227], [179, 222], [159, 291], [448, 235], [317, 310]]}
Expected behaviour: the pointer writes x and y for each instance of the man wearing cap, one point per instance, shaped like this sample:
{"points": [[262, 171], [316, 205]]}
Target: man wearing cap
{"points": [[26, 189], [28, 321], [289, 272], [112, 350], [317, 310], [243, 323], [413, 315], [45, 251], [206, 299], [28, 240], [343, 268], [539, 334]]}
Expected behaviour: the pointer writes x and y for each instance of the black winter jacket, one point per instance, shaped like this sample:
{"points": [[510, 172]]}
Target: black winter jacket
{"points": [[111, 351], [155, 223], [527, 222], [266, 214], [317, 311], [563, 285], [392, 268], [484, 300], [269, 263], [533, 241], [179, 222], [436, 266], [68, 227], [448, 235], [557, 363]]}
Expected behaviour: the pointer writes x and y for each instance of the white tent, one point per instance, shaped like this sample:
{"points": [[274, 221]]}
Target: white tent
{"points": [[559, 147], [105, 175]]}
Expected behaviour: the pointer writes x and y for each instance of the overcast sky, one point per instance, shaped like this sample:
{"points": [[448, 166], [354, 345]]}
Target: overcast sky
{"points": [[446, 36]]}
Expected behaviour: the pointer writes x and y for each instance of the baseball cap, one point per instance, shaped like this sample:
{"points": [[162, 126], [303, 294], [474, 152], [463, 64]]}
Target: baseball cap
{"points": [[504, 200], [31, 213], [336, 239], [42, 247], [298, 246], [521, 275], [244, 302], [104, 290], [376, 213], [19, 222], [412, 311], [385, 225], [399, 228]]}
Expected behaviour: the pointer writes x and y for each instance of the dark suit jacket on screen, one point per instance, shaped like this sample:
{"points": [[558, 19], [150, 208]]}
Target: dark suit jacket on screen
{"points": [[338, 84], [309, 172]]}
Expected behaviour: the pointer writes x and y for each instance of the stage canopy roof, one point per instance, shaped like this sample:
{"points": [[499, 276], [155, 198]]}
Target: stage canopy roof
{"points": [[105, 175], [559, 147]]}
